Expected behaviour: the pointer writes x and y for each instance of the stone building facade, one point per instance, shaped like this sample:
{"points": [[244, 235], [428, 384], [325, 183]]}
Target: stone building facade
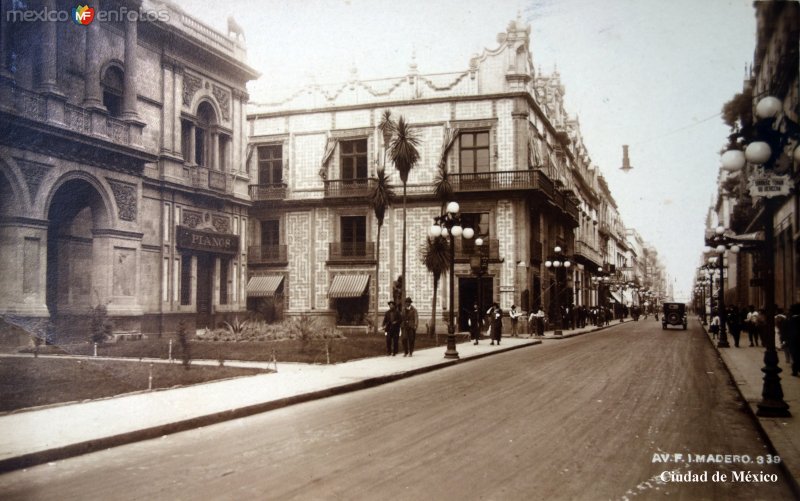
{"points": [[122, 169], [517, 163]]}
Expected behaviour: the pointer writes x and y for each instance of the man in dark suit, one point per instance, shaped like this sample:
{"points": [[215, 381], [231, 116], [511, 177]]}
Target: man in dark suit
{"points": [[391, 328], [410, 321]]}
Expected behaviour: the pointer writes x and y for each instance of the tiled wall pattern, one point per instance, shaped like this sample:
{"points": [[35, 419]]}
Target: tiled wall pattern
{"points": [[323, 234], [297, 240]]}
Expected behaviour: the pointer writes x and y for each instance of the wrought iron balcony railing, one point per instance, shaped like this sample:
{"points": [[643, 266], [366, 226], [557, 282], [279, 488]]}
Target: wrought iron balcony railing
{"points": [[504, 180], [351, 251], [467, 248], [267, 254], [345, 188]]}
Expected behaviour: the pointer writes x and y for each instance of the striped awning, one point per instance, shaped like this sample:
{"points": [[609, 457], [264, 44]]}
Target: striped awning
{"points": [[263, 286], [345, 285], [617, 296]]}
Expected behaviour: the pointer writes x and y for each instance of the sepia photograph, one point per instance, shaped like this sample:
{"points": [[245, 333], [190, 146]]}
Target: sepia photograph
{"points": [[399, 250]]}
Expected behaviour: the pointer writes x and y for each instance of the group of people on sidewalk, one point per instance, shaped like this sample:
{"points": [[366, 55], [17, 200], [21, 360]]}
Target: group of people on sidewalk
{"points": [[753, 322], [400, 323]]}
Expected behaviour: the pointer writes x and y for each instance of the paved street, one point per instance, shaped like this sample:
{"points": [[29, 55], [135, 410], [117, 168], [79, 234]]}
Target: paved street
{"points": [[579, 418]]}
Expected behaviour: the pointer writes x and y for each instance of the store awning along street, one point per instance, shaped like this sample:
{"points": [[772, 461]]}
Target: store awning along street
{"points": [[264, 286], [346, 285]]}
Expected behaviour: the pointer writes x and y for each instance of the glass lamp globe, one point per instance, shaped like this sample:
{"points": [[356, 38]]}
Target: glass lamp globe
{"points": [[567, 264], [720, 230], [557, 249], [733, 160], [720, 248], [468, 233], [758, 152], [445, 233], [768, 107], [548, 264], [557, 264], [453, 207], [479, 241], [456, 230], [435, 231], [735, 249]]}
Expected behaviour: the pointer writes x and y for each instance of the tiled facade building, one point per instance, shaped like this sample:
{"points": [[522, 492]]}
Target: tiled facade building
{"points": [[122, 169], [517, 163]]}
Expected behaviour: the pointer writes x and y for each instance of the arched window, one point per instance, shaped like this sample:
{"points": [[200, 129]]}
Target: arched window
{"points": [[113, 85], [206, 122]]}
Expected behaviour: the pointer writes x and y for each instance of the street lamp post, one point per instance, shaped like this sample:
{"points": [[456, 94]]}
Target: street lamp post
{"points": [[719, 242], [765, 142], [557, 261], [448, 225]]}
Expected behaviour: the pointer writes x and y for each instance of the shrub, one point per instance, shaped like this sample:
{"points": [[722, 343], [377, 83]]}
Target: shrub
{"points": [[99, 325], [236, 328]]}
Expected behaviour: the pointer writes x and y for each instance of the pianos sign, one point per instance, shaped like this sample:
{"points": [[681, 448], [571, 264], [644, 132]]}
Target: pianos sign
{"points": [[207, 241], [767, 185]]}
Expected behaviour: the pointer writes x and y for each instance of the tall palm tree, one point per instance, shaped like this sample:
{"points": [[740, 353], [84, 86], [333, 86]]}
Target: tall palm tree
{"points": [[380, 198], [436, 258], [405, 155]]}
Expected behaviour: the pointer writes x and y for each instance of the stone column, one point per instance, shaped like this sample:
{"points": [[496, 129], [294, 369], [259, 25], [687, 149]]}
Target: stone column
{"points": [[48, 51], [129, 105], [93, 97], [192, 160]]}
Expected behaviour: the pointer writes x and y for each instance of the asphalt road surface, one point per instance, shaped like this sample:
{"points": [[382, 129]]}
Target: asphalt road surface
{"points": [[599, 416]]}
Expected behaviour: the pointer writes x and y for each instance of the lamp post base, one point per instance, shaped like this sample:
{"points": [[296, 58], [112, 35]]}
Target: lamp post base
{"points": [[451, 351], [772, 403]]}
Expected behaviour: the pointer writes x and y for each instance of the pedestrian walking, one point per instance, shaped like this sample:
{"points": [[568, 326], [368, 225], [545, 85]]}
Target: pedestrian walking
{"points": [[514, 315], [474, 323], [410, 321], [780, 323], [733, 320], [714, 326], [496, 317], [750, 325], [391, 328], [538, 318]]}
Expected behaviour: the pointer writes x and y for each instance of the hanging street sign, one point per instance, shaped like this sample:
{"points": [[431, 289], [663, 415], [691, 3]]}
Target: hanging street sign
{"points": [[769, 185]]}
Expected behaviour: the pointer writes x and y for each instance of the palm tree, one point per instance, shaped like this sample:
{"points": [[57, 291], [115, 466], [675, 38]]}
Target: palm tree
{"points": [[404, 154], [436, 258], [380, 198]]}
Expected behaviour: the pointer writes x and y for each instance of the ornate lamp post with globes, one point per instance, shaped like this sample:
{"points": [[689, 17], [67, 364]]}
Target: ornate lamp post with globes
{"points": [[770, 145], [556, 262], [448, 226]]}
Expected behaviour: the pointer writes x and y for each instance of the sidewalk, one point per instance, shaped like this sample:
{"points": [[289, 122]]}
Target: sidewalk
{"points": [[783, 434], [57, 432]]}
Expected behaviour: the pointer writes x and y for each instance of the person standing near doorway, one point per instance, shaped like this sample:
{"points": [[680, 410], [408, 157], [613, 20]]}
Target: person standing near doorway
{"points": [[514, 315], [496, 317], [391, 328], [474, 322], [410, 321]]}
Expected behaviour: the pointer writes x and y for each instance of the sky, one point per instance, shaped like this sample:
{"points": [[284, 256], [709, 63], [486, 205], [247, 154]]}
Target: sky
{"points": [[647, 73]]}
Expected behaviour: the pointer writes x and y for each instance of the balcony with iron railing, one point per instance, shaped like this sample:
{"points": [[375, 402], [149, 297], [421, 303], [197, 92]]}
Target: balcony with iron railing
{"points": [[466, 248], [267, 254], [266, 192], [504, 180], [351, 252], [347, 188]]}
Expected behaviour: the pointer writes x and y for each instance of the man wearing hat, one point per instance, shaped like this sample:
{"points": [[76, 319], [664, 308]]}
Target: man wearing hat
{"points": [[391, 328], [410, 321]]}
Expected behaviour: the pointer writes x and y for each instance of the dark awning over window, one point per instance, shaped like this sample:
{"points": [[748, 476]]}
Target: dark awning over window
{"points": [[348, 286], [264, 286]]}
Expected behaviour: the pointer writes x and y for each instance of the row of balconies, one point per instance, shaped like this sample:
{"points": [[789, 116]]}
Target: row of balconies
{"points": [[360, 252]]}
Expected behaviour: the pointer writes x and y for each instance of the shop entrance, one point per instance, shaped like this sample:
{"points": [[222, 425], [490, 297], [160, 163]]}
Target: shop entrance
{"points": [[205, 281], [469, 293]]}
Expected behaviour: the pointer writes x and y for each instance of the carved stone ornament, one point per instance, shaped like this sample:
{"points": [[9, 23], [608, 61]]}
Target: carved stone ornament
{"points": [[221, 223], [125, 196], [191, 84], [192, 218], [34, 172], [224, 100]]}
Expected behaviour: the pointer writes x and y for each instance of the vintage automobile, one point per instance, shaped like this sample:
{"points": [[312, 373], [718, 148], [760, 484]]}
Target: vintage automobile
{"points": [[674, 314]]}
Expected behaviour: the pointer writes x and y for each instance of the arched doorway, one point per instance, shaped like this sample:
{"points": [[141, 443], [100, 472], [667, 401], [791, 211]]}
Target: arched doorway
{"points": [[76, 210]]}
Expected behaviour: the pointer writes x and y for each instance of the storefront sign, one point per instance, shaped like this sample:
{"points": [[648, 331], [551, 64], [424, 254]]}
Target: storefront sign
{"points": [[207, 241], [769, 185]]}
